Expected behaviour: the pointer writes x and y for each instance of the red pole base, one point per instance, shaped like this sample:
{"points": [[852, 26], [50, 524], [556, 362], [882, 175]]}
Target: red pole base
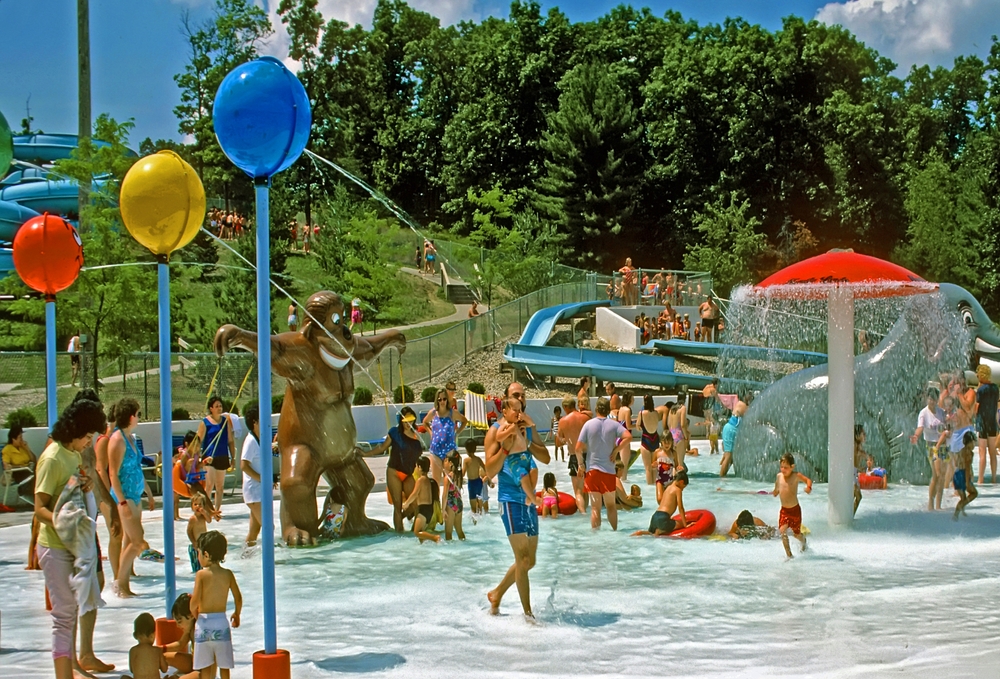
{"points": [[272, 666], [167, 631]]}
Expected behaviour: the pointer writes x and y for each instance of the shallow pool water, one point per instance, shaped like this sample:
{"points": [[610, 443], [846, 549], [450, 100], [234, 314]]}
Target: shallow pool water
{"points": [[903, 591]]}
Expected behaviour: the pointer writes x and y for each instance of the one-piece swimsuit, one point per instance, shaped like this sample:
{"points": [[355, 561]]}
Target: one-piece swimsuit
{"points": [[442, 436], [650, 440], [130, 472]]}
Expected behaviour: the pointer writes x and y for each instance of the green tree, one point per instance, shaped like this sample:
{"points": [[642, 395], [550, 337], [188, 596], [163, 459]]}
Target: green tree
{"points": [[231, 37], [729, 243], [945, 210], [592, 163]]}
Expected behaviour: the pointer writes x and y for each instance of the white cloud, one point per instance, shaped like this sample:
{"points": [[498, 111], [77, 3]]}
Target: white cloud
{"points": [[918, 31], [359, 12]]}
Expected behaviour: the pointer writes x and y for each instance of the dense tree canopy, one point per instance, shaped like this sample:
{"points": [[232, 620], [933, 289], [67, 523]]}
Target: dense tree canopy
{"points": [[639, 135]]}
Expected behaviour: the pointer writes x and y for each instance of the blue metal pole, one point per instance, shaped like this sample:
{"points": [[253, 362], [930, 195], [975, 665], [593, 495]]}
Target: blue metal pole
{"points": [[166, 434], [51, 405], [261, 188]]}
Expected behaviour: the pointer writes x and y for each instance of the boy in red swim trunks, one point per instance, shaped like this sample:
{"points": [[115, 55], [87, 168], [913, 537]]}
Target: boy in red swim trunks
{"points": [[786, 486]]}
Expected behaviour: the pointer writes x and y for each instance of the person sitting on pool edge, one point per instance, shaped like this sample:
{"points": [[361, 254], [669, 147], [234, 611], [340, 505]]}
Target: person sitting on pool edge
{"points": [[662, 522], [748, 526]]}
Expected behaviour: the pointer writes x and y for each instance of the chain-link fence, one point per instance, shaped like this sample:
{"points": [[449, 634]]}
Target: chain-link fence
{"points": [[197, 376]]}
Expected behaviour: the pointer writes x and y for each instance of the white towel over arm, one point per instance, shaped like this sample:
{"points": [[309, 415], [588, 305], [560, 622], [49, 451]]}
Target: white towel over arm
{"points": [[77, 529]]}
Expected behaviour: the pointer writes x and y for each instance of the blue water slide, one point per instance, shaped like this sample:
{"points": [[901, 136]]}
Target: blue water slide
{"points": [[12, 216], [677, 347], [58, 197], [30, 174], [541, 323], [614, 366], [6, 261], [48, 148]]}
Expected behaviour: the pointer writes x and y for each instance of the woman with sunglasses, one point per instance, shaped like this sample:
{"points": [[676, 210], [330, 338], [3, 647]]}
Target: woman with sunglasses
{"points": [[445, 423], [404, 450]]}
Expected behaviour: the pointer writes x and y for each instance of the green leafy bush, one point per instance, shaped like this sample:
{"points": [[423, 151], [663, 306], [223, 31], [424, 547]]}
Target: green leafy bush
{"points": [[427, 394], [399, 397], [180, 414], [21, 416], [476, 388], [362, 396]]}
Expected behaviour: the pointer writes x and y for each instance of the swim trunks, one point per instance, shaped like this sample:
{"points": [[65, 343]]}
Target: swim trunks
{"points": [[661, 521], [193, 557], [791, 517], [573, 464], [549, 501], [520, 464], [958, 479], [475, 489], [597, 481], [213, 642], [519, 518]]}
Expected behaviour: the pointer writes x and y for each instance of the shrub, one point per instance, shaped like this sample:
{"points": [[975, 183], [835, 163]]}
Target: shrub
{"points": [[427, 394], [398, 396], [21, 416], [180, 414], [476, 388], [362, 396], [277, 402]]}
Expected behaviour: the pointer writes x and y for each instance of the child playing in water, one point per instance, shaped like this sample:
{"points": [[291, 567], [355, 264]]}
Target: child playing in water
{"points": [[786, 485], [714, 428], [145, 661], [662, 522], [962, 478], [860, 462], [664, 468], [213, 639], [474, 470], [560, 444], [197, 526], [178, 653], [424, 492], [453, 503], [550, 496], [513, 441]]}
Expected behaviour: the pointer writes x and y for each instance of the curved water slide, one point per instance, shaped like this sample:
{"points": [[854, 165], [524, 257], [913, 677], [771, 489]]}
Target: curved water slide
{"points": [[677, 347], [532, 355]]}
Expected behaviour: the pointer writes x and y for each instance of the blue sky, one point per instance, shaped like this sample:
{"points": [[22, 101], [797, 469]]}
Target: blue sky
{"points": [[137, 45]]}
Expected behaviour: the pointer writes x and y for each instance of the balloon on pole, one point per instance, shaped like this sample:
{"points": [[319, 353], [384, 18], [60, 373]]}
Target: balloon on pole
{"points": [[48, 256], [262, 119], [163, 205]]}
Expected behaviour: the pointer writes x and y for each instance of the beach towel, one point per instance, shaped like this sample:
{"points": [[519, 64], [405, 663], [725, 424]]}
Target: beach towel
{"points": [[73, 520]]}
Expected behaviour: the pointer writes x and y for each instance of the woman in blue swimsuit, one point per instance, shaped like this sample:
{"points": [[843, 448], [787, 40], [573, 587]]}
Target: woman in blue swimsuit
{"points": [[445, 423], [127, 485], [218, 447]]}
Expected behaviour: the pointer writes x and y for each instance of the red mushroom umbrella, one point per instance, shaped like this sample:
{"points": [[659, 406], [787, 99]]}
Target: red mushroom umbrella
{"points": [[841, 276]]}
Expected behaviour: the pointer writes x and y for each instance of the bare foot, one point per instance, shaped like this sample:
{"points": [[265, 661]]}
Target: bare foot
{"points": [[530, 618], [122, 593], [494, 600], [461, 535], [91, 663]]}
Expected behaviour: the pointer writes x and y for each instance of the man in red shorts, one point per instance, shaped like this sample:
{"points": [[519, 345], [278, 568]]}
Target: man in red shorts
{"points": [[600, 440]]}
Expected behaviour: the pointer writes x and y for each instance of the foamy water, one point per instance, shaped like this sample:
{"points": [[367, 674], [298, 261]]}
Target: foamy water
{"points": [[903, 592]]}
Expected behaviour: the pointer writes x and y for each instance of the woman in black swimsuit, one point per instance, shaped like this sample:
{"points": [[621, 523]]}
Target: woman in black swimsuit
{"points": [[404, 451]]}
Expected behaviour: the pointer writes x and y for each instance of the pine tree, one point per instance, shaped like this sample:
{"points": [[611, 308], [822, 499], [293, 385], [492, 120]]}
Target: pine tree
{"points": [[592, 147]]}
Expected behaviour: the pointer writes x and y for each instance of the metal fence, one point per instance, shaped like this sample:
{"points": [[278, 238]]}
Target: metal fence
{"points": [[197, 376]]}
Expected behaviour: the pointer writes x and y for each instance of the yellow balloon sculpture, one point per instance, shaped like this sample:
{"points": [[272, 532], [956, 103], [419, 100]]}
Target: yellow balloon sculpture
{"points": [[162, 202]]}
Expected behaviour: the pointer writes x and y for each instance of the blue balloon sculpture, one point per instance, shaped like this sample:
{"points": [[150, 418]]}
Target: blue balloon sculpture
{"points": [[262, 117]]}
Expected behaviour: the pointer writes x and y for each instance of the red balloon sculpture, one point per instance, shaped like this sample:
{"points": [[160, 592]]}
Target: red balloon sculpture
{"points": [[48, 254]]}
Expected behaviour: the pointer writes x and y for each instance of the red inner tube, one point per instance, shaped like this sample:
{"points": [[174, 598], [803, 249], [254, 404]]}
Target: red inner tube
{"points": [[871, 481], [700, 522], [567, 503]]}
